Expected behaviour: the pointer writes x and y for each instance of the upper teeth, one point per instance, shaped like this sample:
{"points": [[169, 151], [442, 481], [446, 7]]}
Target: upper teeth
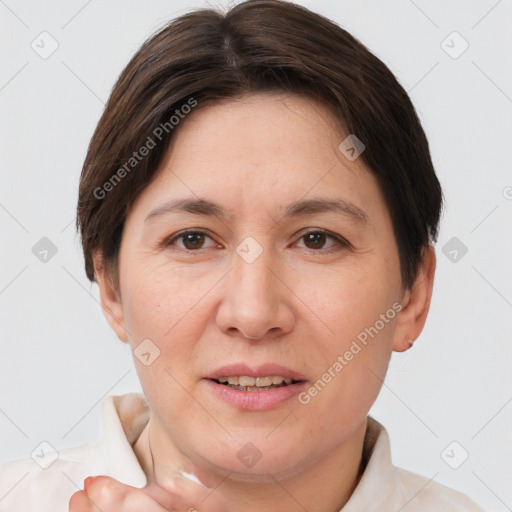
{"points": [[255, 381]]}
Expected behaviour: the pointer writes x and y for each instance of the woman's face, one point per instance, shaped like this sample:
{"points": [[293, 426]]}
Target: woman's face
{"points": [[250, 293]]}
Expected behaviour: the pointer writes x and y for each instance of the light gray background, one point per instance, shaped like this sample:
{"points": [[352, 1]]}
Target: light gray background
{"points": [[59, 358]]}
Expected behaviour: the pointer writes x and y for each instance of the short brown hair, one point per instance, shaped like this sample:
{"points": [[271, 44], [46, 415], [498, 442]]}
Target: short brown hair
{"points": [[206, 56]]}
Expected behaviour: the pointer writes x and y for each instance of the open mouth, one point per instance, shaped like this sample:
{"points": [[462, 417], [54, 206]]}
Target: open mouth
{"points": [[244, 383]]}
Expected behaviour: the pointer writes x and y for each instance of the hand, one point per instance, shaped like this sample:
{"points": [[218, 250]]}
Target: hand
{"points": [[105, 494]]}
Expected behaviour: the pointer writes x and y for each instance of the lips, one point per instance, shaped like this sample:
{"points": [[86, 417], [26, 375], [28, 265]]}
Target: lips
{"points": [[255, 388], [262, 371], [257, 383]]}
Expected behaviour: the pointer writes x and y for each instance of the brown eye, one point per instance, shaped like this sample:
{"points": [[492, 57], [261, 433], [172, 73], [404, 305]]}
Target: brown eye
{"points": [[190, 240], [193, 240], [315, 240]]}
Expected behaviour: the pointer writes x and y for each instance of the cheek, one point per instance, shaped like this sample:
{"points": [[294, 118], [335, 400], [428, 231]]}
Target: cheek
{"points": [[156, 300], [159, 306], [170, 307], [351, 302], [358, 310]]}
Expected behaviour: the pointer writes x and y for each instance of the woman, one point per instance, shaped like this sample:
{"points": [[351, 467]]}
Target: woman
{"points": [[258, 207]]}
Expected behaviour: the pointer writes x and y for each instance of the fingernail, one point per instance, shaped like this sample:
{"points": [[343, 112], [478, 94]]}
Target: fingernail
{"points": [[88, 482]]}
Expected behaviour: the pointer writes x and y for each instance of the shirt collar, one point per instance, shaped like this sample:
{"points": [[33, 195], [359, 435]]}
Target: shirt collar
{"points": [[124, 418], [378, 483]]}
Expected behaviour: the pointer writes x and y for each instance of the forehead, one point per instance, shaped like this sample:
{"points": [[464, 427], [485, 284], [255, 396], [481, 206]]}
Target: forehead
{"points": [[264, 125], [261, 151]]}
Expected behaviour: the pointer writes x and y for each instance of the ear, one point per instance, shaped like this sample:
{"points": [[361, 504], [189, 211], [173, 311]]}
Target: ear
{"points": [[110, 299], [416, 303]]}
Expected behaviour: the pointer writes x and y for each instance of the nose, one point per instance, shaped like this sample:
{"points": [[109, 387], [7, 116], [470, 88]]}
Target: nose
{"points": [[256, 301]]}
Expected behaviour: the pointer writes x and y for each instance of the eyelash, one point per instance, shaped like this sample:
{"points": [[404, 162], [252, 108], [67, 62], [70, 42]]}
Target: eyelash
{"points": [[341, 242]]}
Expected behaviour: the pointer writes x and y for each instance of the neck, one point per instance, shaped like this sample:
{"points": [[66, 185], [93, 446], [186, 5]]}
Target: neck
{"points": [[325, 486]]}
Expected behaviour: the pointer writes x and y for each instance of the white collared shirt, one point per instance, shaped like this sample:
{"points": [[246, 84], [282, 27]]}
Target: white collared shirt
{"points": [[47, 485]]}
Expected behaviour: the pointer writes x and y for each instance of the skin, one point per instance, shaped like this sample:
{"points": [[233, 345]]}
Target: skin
{"points": [[297, 304]]}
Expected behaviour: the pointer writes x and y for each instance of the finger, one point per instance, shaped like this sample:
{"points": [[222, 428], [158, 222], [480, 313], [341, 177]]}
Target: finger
{"points": [[109, 495], [79, 502]]}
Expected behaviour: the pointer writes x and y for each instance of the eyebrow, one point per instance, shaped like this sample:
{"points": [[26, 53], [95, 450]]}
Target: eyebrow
{"points": [[198, 206]]}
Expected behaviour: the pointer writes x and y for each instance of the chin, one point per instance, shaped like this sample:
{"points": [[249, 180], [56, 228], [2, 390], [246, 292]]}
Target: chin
{"points": [[262, 473], [260, 463]]}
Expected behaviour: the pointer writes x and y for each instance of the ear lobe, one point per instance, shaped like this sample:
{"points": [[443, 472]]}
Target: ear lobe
{"points": [[416, 303], [110, 299]]}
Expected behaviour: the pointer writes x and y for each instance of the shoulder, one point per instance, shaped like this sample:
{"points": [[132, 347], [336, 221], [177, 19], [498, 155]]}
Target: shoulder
{"points": [[47, 481], [421, 494], [386, 487]]}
